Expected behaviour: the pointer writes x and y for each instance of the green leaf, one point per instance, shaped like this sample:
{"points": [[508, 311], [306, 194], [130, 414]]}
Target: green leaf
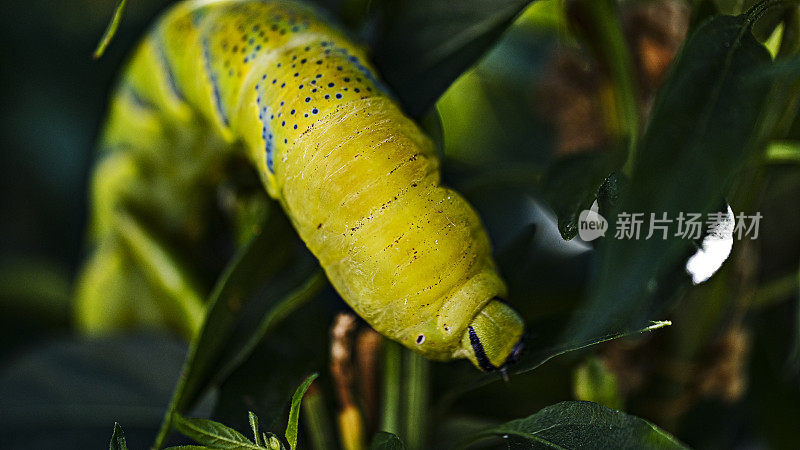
{"points": [[294, 411], [111, 30], [272, 442], [85, 385], [581, 425], [236, 319], [594, 382], [254, 426], [386, 441], [425, 45], [189, 447], [117, 439], [705, 125], [533, 359], [212, 434], [572, 184], [279, 364]]}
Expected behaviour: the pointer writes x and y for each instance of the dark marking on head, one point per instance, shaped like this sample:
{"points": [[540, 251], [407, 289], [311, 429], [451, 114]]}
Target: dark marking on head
{"points": [[480, 353]]}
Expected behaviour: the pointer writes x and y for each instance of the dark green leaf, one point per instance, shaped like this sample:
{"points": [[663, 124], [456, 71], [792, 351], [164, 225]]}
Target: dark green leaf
{"points": [[117, 439], [425, 45], [572, 184], [294, 412], [111, 30], [386, 441], [704, 127], [581, 425], [533, 359], [278, 365], [236, 320], [212, 434], [84, 385]]}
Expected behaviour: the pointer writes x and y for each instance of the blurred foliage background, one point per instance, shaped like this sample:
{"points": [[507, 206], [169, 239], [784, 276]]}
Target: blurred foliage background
{"points": [[529, 117]]}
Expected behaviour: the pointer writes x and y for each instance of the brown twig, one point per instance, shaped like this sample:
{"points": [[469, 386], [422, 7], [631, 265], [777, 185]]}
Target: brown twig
{"points": [[351, 424], [368, 349]]}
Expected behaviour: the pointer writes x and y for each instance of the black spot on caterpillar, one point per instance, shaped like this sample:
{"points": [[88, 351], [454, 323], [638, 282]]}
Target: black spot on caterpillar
{"points": [[407, 254]]}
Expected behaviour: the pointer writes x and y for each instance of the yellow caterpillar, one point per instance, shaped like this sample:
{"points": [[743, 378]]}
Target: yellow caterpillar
{"points": [[359, 180]]}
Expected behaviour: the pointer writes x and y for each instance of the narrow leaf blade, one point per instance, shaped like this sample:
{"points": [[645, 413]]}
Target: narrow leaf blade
{"points": [[118, 441], [294, 412], [111, 30], [254, 426]]}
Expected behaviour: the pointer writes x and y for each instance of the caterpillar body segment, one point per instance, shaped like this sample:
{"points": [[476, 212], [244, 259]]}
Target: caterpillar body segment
{"points": [[358, 179]]}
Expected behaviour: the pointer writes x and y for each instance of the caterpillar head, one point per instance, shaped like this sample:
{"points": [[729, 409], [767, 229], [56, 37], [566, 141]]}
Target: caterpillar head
{"points": [[494, 337]]}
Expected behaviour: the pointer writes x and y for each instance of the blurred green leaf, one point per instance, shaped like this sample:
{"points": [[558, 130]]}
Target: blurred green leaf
{"points": [[594, 382], [36, 287], [703, 128], [386, 441], [36, 300], [236, 319], [163, 269], [436, 41], [74, 388], [212, 434], [783, 152], [117, 439], [580, 425], [294, 411], [111, 30]]}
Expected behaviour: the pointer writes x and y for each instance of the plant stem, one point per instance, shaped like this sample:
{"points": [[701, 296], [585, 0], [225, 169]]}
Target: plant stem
{"points": [[317, 419], [390, 401], [351, 428], [601, 30], [775, 290], [416, 371]]}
